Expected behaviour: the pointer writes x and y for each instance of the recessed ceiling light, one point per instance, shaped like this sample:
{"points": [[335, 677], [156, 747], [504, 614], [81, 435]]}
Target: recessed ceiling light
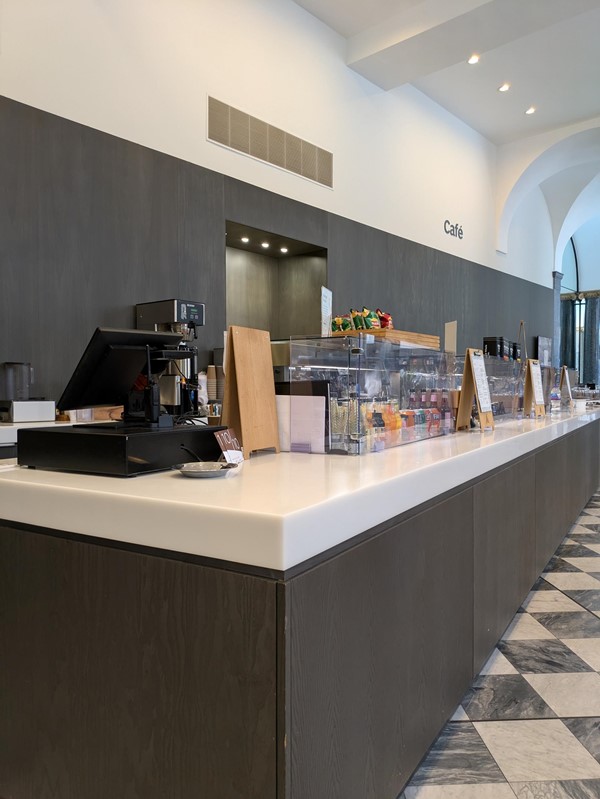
{"points": [[245, 239], [530, 110], [474, 59], [265, 244], [504, 88], [283, 249]]}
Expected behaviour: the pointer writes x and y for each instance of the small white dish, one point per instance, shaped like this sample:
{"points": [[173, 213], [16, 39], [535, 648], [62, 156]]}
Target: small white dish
{"points": [[209, 469]]}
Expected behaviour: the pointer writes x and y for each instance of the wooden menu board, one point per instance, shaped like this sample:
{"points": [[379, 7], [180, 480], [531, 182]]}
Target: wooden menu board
{"points": [[474, 385], [249, 400], [534, 390]]}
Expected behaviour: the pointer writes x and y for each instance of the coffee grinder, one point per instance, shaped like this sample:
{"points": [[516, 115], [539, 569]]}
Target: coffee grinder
{"points": [[179, 381]]}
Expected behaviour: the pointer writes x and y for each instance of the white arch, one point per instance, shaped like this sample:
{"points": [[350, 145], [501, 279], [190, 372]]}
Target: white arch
{"points": [[574, 150], [586, 207]]}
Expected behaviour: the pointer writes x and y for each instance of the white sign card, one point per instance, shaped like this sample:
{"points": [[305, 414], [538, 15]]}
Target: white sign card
{"points": [[230, 445], [481, 382], [326, 306], [536, 378]]}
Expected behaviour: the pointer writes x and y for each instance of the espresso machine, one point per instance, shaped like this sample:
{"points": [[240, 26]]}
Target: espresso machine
{"points": [[179, 381]]}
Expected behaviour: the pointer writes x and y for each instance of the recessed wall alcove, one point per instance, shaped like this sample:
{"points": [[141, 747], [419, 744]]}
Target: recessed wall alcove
{"points": [[273, 282]]}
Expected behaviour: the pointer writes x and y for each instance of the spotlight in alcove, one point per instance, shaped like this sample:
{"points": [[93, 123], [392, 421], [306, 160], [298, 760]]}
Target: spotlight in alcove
{"points": [[245, 239], [283, 250], [265, 245]]}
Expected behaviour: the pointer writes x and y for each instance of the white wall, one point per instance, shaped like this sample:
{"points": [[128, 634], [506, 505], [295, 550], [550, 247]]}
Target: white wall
{"points": [[531, 236], [142, 70]]}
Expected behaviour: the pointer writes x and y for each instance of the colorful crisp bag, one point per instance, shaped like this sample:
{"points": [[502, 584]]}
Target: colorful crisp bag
{"points": [[341, 323], [357, 319], [385, 319], [371, 319]]}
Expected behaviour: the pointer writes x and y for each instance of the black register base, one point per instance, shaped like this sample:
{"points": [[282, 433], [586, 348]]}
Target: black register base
{"points": [[119, 450], [143, 674]]}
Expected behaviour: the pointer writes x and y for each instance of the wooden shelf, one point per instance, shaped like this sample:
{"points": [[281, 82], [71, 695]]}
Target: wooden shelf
{"points": [[397, 336]]}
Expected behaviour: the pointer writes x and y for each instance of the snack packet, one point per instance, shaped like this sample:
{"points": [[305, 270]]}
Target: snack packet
{"points": [[371, 319], [341, 323], [385, 319], [358, 320]]}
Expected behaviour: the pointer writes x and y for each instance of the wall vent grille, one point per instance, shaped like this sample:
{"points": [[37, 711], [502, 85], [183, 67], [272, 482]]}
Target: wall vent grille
{"points": [[247, 134]]}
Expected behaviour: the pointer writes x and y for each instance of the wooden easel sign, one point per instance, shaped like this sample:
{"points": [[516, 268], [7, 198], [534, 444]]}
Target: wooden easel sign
{"points": [[534, 390], [475, 384], [249, 400]]}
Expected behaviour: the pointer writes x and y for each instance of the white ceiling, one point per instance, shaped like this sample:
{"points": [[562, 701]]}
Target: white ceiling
{"points": [[548, 50]]}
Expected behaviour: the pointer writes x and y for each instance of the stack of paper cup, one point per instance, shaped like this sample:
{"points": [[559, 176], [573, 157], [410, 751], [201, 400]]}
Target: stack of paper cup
{"points": [[211, 383], [220, 383]]}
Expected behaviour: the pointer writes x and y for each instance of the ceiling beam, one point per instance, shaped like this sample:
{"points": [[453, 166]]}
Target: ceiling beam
{"points": [[440, 33]]}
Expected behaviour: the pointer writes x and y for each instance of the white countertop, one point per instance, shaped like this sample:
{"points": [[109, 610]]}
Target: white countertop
{"points": [[282, 509], [8, 430]]}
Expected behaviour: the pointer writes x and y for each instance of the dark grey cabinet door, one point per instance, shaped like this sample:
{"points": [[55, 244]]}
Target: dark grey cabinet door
{"points": [[129, 676], [380, 654], [504, 551]]}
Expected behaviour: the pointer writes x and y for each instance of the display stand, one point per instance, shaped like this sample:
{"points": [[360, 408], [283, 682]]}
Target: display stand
{"points": [[249, 400], [474, 384], [565, 383], [534, 391], [522, 341]]}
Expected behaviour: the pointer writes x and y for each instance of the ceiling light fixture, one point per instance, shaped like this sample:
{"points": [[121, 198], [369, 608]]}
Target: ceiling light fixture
{"points": [[504, 88], [265, 244], [283, 249], [474, 59], [530, 110], [245, 239]]}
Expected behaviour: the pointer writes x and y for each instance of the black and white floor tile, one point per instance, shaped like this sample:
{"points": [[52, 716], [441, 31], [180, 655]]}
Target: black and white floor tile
{"points": [[529, 725]]}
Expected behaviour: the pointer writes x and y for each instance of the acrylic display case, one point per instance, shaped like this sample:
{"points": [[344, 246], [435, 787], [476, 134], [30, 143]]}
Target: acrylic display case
{"points": [[358, 394], [506, 381]]}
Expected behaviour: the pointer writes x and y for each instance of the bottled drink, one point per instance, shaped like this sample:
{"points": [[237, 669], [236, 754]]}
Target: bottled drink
{"points": [[555, 400], [446, 413]]}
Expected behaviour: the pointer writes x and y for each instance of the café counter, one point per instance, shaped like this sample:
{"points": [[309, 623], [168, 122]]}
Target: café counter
{"points": [[301, 630]]}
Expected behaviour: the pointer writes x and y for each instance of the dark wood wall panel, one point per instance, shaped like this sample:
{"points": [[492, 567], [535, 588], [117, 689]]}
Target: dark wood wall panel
{"points": [[380, 654], [504, 552], [91, 224], [131, 676]]}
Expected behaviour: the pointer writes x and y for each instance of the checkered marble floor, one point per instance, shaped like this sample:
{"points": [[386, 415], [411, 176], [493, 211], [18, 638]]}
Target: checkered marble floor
{"points": [[529, 725]]}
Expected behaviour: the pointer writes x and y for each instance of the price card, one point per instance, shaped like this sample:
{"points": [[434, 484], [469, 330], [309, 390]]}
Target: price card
{"points": [[326, 306], [536, 377], [230, 446], [481, 381], [474, 385]]}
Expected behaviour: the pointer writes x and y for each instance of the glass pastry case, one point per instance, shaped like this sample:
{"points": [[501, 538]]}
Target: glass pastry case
{"points": [[362, 393]]}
